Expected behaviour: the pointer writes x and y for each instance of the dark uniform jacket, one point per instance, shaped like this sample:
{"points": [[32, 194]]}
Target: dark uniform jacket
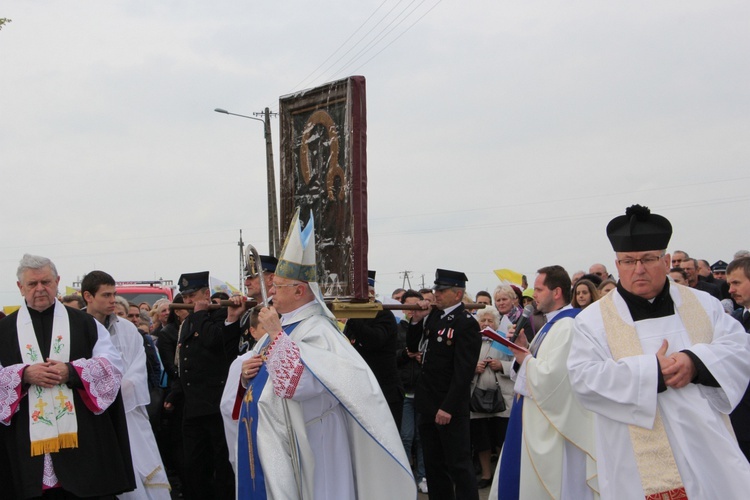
{"points": [[376, 340], [167, 345], [206, 348], [408, 368], [448, 363], [101, 465]]}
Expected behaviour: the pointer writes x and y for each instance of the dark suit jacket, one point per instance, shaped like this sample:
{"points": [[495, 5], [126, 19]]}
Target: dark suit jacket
{"points": [[448, 363], [376, 340], [206, 349], [741, 415], [708, 288]]}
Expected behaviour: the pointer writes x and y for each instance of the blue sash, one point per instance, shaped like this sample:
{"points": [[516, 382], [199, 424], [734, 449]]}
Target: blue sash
{"points": [[251, 483], [509, 477]]}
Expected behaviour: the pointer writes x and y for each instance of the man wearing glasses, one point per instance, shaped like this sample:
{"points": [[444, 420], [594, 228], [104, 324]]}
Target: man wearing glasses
{"points": [[661, 365], [313, 422]]}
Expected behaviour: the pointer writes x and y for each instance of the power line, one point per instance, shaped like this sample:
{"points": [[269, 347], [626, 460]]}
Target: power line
{"points": [[305, 79], [365, 35], [374, 44]]}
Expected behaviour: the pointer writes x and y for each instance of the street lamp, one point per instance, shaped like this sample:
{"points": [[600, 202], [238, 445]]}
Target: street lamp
{"points": [[273, 214]]}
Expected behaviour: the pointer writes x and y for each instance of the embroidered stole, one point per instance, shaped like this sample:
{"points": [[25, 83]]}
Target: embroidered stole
{"points": [[251, 480], [509, 476], [251, 483], [653, 453], [52, 420]]}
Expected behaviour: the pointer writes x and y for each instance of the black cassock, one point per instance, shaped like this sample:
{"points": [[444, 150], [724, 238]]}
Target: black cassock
{"points": [[101, 465]]}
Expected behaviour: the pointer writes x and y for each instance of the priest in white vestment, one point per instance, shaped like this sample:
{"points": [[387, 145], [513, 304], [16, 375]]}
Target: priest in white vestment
{"points": [[661, 365], [557, 441], [98, 289], [318, 427]]}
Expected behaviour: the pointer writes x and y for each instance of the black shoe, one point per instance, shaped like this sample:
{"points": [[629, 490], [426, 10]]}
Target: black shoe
{"points": [[483, 483]]}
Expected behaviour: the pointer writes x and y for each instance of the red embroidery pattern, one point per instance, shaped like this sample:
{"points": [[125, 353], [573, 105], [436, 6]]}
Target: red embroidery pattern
{"points": [[284, 366], [675, 494], [101, 383], [10, 391]]}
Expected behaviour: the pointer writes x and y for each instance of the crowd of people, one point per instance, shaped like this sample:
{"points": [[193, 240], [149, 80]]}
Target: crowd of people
{"points": [[576, 386]]}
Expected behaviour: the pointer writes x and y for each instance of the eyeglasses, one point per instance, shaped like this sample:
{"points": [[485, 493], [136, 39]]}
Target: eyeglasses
{"points": [[647, 261], [277, 285]]}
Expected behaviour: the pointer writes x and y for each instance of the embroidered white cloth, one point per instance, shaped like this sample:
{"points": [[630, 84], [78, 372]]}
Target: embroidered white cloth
{"points": [[52, 419]]}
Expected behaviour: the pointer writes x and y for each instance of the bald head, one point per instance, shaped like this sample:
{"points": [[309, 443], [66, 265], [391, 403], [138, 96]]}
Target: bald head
{"points": [[599, 270]]}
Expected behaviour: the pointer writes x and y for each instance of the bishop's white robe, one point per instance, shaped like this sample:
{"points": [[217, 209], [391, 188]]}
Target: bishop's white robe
{"points": [[624, 392], [339, 425]]}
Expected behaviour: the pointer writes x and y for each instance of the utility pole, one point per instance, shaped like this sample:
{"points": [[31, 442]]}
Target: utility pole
{"points": [[406, 280], [241, 244], [273, 212]]}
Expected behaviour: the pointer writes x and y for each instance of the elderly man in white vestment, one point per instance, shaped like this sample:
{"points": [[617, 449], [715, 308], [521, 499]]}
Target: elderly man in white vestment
{"points": [[661, 365], [324, 430]]}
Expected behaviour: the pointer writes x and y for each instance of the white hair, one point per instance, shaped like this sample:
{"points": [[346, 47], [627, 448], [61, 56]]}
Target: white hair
{"points": [[123, 302], [492, 312], [29, 261]]}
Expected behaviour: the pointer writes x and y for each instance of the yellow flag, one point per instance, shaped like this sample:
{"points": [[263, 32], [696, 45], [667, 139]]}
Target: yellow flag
{"points": [[10, 309], [508, 276]]}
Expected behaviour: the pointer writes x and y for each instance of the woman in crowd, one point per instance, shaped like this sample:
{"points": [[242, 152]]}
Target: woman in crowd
{"points": [[505, 300], [606, 286], [679, 276], [159, 316], [121, 307], [584, 294], [492, 371]]}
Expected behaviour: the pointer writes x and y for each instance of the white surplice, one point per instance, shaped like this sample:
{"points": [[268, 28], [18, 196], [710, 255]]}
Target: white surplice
{"points": [[624, 392], [150, 475], [557, 457]]}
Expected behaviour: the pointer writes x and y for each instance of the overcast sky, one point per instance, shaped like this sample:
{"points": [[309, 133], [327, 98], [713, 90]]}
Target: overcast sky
{"points": [[500, 134]]}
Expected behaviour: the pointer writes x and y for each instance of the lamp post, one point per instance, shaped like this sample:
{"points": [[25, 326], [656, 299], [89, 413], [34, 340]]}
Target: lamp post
{"points": [[273, 214]]}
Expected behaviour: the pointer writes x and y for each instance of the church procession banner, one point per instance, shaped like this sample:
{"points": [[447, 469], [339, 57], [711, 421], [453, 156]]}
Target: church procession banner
{"points": [[324, 169]]}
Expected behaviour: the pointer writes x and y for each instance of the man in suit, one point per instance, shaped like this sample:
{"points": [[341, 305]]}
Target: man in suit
{"points": [[208, 342], [448, 338], [376, 340], [738, 277], [690, 266]]}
